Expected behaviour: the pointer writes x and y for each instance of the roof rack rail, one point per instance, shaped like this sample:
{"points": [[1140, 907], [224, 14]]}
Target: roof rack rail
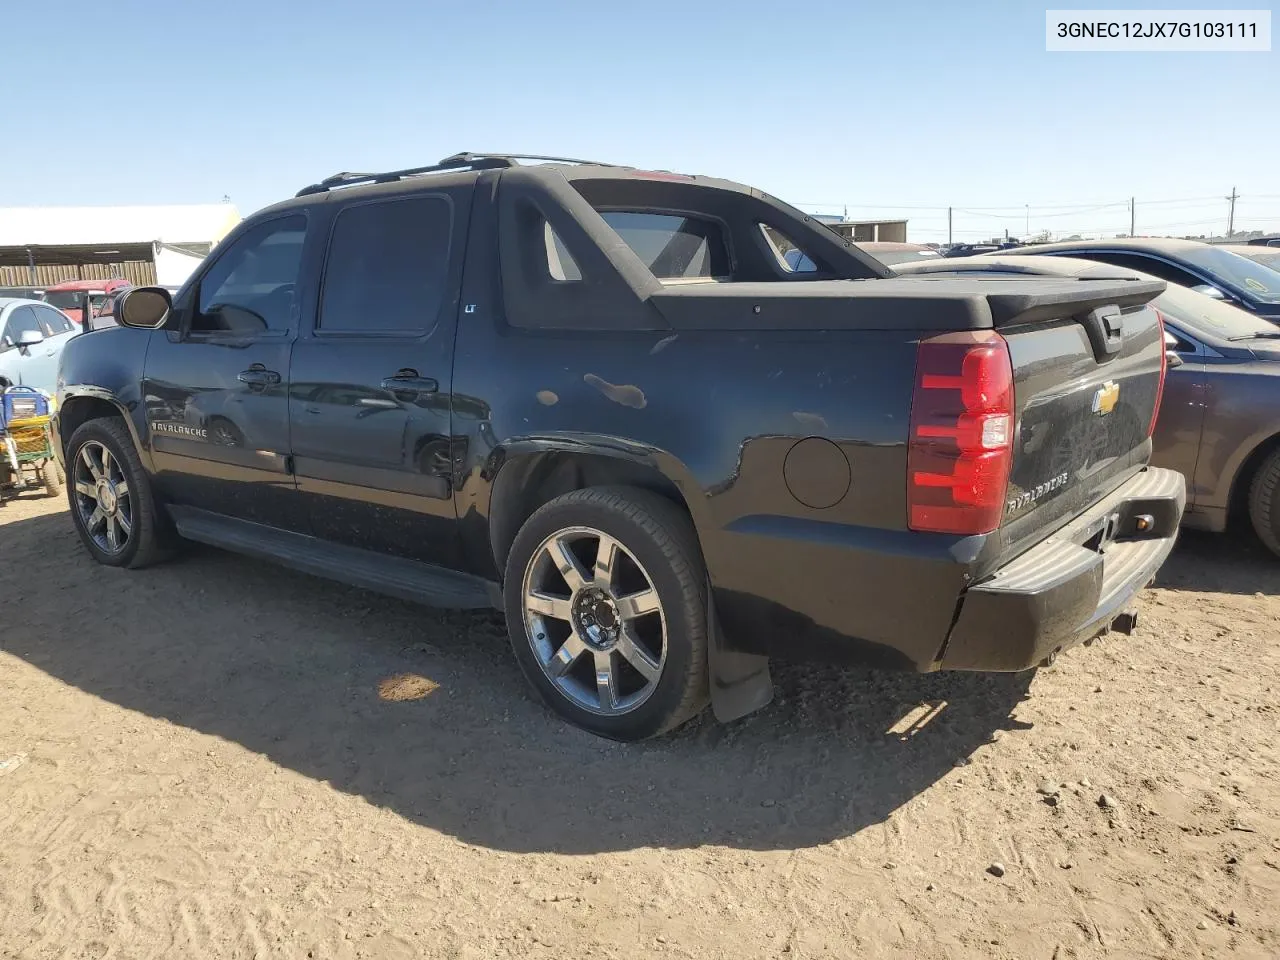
{"points": [[459, 161]]}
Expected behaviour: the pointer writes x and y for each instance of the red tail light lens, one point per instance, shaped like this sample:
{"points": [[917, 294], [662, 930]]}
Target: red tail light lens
{"points": [[1164, 370], [961, 445]]}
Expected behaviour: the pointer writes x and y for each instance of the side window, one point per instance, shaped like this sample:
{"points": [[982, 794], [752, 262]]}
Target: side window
{"points": [[387, 267], [1157, 268], [790, 257], [251, 288], [21, 321], [560, 262], [54, 322], [1184, 344], [672, 246]]}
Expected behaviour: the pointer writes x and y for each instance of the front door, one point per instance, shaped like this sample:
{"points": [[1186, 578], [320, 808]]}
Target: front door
{"points": [[369, 403], [216, 387]]}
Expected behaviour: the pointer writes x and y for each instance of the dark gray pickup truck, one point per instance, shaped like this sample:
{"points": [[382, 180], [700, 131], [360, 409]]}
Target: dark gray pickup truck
{"points": [[600, 399]]}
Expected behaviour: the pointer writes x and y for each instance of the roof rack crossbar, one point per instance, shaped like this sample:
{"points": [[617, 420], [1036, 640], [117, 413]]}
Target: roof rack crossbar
{"points": [[459, 161]]}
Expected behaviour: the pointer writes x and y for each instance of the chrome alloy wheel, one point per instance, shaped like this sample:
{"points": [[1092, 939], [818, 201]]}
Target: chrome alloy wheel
{"points": [[594, 621], [102, 497]]}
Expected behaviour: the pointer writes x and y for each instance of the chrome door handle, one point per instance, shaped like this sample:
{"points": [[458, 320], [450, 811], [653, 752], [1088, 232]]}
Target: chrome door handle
{"points": [[258, 376], [406, 383]]}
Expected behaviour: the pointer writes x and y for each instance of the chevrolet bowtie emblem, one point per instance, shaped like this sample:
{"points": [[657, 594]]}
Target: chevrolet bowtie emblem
{"points": [[1104, 401]]}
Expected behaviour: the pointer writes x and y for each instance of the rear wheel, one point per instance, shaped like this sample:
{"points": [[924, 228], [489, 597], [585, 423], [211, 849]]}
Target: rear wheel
{"points": [[110, 497], [52, 475], [606, 610], [1264, 502]]}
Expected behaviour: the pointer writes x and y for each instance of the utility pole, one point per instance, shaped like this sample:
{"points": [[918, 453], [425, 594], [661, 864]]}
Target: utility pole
{"points": [[1133, 218], [1028, 233], [1231, 216], [948, 226]]}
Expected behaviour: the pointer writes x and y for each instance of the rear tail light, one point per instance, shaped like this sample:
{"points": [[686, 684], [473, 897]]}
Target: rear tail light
{"points": [[961, 445], [1164, 370]]}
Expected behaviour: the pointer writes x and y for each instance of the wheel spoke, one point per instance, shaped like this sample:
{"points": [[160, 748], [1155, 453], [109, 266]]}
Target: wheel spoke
{"points": [[638, 657], [86, 489], [96, 517], [94, 470], [606, 689], [122, 490], [113, 533], [606, 561], [566, 656], [548, 606], [106, 462], [126, 525], [567, 563], [638, 604]]}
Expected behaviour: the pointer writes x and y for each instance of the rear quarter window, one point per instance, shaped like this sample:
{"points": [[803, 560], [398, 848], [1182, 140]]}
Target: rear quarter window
{"points": [[670, 245]]}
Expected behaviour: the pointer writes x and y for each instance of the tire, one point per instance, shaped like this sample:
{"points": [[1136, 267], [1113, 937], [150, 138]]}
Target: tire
{"points": [[1264, 502], [655, 658], [52, 475], [146, 539]]}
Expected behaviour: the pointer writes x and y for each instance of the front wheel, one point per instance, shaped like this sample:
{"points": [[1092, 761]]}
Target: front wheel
{"points": [[110, 497], [605, 605], [1264, 502]]}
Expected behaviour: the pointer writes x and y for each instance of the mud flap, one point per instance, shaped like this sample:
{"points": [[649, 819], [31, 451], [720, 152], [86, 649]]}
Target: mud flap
{"points": [[740, 682]]}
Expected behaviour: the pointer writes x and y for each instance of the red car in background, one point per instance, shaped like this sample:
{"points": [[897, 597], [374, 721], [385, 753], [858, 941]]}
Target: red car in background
{"points": [[82, 300]]}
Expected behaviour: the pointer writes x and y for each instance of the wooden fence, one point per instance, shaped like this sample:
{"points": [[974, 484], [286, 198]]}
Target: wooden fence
{"points": [[138, 272]]}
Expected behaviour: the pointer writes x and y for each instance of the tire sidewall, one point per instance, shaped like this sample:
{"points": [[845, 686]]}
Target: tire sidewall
{"points": [[97, 431], [1264, 503], [685, 619]]}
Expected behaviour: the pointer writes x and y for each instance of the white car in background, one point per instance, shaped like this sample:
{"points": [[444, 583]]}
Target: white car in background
{"points": [[32, 335]]}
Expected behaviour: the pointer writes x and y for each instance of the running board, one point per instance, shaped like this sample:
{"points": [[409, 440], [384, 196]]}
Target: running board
{"points": [[406, 579]]}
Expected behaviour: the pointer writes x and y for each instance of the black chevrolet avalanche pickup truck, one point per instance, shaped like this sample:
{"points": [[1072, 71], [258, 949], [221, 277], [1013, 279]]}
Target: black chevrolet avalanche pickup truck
{"points": [[599, 399]]}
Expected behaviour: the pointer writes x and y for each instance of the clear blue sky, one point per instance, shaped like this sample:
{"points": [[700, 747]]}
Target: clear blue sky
{"points": [[886, 107]]}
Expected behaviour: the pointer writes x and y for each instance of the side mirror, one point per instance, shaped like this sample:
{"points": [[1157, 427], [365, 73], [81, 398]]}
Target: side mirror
{"points": [[1171, 356], [30, 338], [1209, 290], [145, 307]]}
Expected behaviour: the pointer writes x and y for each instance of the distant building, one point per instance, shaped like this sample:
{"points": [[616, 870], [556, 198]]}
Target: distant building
{"points": [[894, 231], [160, 244]]}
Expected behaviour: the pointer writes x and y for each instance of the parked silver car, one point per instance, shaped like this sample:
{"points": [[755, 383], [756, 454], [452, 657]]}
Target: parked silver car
{"points": [[32, 335]]}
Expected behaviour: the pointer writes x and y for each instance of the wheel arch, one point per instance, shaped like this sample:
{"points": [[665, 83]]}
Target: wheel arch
{"points": [[1247, 468], [80, 405], [532, 474]]}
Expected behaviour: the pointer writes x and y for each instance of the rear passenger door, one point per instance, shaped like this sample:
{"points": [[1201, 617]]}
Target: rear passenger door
{"points": [[369, 405]]}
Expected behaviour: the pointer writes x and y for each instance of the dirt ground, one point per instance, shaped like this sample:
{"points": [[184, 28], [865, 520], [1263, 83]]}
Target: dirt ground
{"points": [[218, 758]]}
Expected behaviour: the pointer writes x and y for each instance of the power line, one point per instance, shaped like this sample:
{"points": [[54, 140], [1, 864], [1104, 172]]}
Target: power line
{"points": [[1017, 209]]}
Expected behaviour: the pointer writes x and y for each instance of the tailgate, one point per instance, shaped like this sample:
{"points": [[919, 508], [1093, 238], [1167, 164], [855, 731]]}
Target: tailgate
{"points": [[1085, 394]]}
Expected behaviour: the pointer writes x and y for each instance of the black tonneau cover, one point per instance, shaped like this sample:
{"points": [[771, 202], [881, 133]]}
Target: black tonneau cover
{"points": [[901, 303]]}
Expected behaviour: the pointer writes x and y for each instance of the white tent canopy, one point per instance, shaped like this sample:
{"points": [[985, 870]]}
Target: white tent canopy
{"points": [[81, 226]]}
